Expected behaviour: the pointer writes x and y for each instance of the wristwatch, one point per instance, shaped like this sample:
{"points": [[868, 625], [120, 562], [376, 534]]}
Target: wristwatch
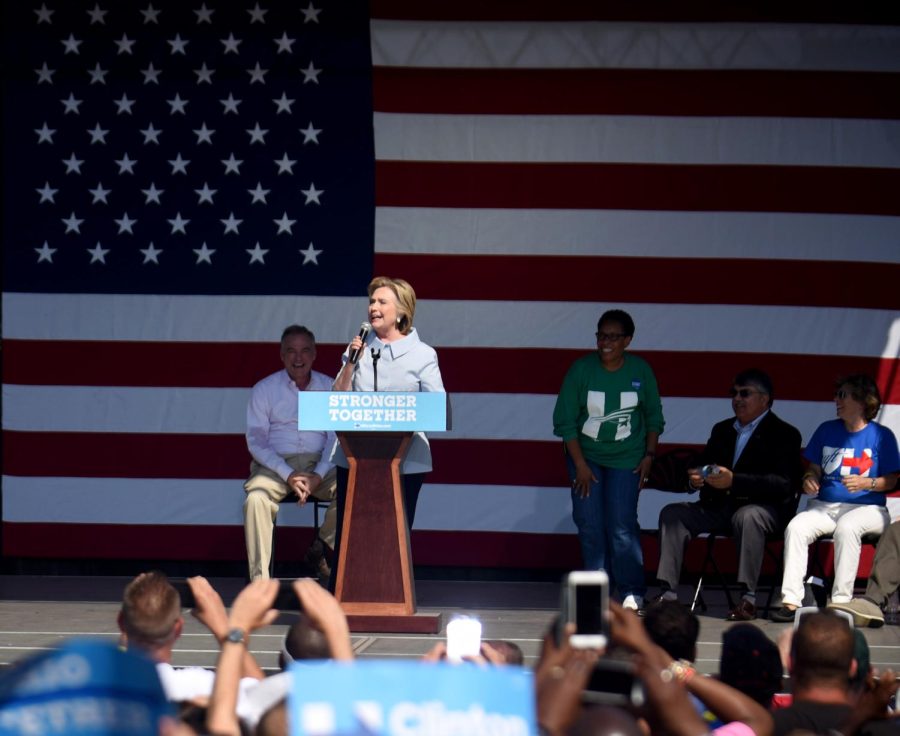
{"points": [[236, 636]]}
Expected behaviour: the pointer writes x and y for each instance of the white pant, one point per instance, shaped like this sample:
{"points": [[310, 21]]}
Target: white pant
{"points": [[848, 523]]}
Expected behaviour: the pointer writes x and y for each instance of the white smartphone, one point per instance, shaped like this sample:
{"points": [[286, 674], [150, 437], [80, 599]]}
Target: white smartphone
{"points": [[463, 638], [587, 605], [801, 612]]}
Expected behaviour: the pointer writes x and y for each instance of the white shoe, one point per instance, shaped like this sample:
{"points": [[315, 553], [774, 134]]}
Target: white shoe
{"points": [[633, 602]]}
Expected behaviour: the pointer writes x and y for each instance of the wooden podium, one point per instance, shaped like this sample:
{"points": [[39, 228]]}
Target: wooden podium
{"points": [[374, 577]]}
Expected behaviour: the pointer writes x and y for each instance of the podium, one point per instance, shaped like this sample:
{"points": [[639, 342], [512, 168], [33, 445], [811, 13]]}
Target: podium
{"points": [[375, 584]]}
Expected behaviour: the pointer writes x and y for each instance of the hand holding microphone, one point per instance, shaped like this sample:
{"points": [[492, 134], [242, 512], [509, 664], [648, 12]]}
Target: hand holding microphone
{"points": [[358, 342]]}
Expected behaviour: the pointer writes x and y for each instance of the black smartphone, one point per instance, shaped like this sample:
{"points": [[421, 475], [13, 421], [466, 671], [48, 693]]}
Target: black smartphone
{"points": [[613, 683]]}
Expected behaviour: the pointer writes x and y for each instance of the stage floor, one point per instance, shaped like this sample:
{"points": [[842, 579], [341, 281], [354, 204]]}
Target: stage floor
{"points": [[37, 612]]}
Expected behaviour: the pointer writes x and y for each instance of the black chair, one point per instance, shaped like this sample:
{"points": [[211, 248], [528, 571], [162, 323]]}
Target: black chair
{"points": [[709, 566], [291, 498], [669, 473]]}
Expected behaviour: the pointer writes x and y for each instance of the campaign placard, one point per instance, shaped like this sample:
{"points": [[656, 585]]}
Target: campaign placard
{"points": [[83, 688], [372, 411], [375, 698]]}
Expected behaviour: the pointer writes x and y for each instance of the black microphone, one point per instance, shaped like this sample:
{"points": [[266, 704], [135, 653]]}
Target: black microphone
{"points": [[363, 333], [375, 356]]}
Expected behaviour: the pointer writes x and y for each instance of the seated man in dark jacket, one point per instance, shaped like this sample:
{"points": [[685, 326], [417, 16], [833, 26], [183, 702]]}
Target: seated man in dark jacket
{"points": [[748, 477]]}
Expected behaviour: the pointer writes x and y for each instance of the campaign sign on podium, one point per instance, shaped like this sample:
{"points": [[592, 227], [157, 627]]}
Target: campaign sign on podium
{"points": [[372, 411], [374, 582]]}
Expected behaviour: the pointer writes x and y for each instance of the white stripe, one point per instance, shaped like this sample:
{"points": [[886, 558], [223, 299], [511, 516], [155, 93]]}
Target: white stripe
{"points": [[631, 233], [632, 45], [176, 318], [177, 502], [444, 323], [520, 509], [123, 501], [222, 411], [637, 139]]}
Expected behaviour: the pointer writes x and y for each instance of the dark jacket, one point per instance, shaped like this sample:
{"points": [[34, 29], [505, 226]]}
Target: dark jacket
{"points": [[767, 472]]}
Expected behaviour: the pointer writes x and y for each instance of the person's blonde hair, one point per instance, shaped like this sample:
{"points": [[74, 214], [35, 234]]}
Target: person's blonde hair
{"points": [[406, 300]]}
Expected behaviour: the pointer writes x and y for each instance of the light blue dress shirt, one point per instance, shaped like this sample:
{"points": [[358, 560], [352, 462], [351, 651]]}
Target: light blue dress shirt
{"points": [[743, 436], [272, 430], [407, 364]]}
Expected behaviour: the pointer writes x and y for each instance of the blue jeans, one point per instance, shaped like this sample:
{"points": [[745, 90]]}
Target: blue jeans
{"points": [[608, 527]]}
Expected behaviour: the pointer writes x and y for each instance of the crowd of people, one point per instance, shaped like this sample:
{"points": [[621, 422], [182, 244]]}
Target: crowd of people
{"points": [[815, 679], [750, 476]]}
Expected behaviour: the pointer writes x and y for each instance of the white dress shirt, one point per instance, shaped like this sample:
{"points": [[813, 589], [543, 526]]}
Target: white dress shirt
{"points": [[272, 430]]}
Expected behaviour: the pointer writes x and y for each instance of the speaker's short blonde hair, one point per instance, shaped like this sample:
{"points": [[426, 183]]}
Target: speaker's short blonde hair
{"points": [[406, 300]]}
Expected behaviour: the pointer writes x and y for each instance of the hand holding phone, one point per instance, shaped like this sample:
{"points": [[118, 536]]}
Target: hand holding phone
{"points": [[463, 638], [586, 603]]}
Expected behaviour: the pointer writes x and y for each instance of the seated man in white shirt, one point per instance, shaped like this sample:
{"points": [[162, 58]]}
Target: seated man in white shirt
{"points": [[286, 460]]}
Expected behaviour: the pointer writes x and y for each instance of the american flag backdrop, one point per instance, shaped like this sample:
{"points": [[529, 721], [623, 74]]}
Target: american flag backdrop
{"points": [[182, 180]]}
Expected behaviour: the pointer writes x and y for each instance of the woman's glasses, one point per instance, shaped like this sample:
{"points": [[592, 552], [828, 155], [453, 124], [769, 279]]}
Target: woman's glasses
{"points": [[842, 394]]}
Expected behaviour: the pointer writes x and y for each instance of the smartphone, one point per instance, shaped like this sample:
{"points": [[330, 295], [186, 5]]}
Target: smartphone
{"points": [[587, 605], [463, 638], [613, 682], [801, 612]]}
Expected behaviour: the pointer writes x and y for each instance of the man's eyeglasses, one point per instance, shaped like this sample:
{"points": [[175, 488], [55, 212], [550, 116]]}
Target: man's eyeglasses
{"points": [[841, 394], [744, 392], [609, 336]]}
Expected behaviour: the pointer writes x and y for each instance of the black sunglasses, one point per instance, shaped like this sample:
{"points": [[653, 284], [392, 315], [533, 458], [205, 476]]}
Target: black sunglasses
{"points": [[744, 392]]}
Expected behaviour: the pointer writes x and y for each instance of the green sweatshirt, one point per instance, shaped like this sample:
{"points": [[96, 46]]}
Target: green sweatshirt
{"points": [[610, 412]]}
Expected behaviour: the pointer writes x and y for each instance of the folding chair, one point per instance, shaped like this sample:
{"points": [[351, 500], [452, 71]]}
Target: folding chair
{"points": [[290, 498]]}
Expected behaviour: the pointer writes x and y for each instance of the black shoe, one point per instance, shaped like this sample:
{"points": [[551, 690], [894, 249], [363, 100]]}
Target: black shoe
{"points": [[655, 600], [317, 560], [743, 611], [783, 615]]}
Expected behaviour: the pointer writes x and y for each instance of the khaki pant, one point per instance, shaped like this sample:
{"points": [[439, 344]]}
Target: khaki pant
{"points": [[265, 490]]}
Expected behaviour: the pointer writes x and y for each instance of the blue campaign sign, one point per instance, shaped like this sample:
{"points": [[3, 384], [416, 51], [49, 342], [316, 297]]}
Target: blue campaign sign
{"points": [[84, 688], [374, 698], [372, 411]]}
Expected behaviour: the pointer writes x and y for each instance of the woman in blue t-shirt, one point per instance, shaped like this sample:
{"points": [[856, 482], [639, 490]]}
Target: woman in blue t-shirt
{"points": [[853, 462]]}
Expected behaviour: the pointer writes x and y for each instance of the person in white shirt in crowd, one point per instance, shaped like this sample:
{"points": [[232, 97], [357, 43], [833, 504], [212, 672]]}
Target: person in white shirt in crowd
{"points": [[150, 621]]}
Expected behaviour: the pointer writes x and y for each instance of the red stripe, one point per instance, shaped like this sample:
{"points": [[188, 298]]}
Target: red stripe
{"points": [[121, 455], [113, 363], [732, 188], [116, 455], [647, 280], [430, 548], [465, 370], [756, 93], [203, 543]]}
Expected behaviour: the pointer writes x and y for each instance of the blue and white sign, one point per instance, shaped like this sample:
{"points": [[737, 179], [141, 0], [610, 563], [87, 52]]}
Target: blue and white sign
{"points": [[371, 698], [372, 411], [84, 688]]}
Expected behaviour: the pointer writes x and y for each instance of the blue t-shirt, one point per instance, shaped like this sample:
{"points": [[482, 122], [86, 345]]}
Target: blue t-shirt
{"points": [[871, 452]]}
